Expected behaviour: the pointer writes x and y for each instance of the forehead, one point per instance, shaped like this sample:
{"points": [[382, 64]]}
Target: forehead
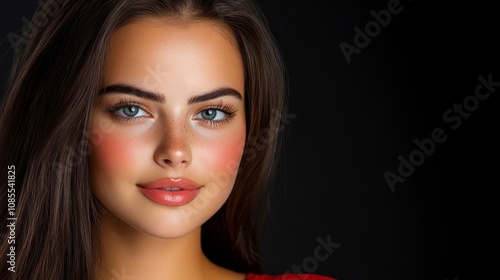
{"points": [[168, 51]]}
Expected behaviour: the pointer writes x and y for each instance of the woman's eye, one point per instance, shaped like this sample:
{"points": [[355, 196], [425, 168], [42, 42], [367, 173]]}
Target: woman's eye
{"points": [[130, 111], [211, 115]]}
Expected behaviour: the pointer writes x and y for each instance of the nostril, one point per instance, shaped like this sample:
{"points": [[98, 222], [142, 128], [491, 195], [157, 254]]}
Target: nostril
{"points": [[174, 161]]}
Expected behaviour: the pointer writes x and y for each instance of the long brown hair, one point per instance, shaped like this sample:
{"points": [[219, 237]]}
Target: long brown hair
{"points": [[44, 127]]}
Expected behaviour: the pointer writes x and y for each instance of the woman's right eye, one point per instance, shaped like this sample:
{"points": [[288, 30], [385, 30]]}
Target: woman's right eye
{"points": [[130, 111]]}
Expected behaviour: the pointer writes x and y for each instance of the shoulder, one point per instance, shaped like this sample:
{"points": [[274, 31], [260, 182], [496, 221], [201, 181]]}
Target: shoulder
{"points": [[251, 276]]}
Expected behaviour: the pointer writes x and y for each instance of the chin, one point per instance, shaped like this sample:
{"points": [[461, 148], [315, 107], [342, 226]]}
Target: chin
{"points": [[173, 226], [170, 222]]}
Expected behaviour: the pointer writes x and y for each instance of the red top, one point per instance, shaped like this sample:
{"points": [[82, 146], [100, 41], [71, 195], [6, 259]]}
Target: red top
{"points": [[251, 276]]}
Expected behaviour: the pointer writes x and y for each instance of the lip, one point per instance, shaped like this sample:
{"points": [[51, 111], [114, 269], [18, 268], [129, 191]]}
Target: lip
{"points": [[180, 191]]}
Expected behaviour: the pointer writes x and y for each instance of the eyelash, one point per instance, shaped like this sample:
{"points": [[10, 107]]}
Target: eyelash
{"points": [[227, 109], [123, 104]]}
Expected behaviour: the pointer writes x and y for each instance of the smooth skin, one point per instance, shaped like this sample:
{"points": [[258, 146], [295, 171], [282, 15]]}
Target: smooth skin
{"points": [[136, 139]]}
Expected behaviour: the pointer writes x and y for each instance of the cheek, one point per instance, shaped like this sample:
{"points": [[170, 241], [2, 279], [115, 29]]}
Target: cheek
{"points": [[230, 150], [223, 157], [116, 155]]}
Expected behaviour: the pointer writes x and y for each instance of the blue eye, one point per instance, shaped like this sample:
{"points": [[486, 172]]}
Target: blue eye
{"points": [[130, 111], [215, 115], [212, 115]]}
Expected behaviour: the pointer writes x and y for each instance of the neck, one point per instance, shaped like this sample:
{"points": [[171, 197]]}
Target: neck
{"points": [[126, 253]]}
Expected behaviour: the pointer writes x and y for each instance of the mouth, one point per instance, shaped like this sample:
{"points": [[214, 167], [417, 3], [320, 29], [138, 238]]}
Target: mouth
{"points": [[170, 191]]}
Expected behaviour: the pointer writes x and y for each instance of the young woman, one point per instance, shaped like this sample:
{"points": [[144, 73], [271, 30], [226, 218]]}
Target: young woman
{"points": [[139, 138]]}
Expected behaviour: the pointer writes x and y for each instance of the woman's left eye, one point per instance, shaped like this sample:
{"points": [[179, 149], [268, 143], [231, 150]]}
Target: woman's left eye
{"points": [[130, 111], [213, 115]]}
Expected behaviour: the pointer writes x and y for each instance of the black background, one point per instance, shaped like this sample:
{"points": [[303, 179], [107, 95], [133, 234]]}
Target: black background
{"points": [[350, 123]]}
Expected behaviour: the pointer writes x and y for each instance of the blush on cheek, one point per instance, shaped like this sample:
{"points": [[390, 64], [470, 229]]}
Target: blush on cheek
{"points": [[225, 158], [114, 153]]}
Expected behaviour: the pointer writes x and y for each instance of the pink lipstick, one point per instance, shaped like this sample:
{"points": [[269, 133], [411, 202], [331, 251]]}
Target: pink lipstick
{"points": [[170, 191]]}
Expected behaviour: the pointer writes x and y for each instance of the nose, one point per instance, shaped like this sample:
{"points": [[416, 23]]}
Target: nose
{"points": [[173, 149]]}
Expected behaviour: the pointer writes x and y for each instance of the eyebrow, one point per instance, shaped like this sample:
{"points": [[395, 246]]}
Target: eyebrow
{"points": [[160, 98], [215, 94], [127, 89]]}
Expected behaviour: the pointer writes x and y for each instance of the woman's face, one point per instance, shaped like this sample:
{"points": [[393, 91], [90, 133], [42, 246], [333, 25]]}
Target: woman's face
{"points": [[169, 130]]}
